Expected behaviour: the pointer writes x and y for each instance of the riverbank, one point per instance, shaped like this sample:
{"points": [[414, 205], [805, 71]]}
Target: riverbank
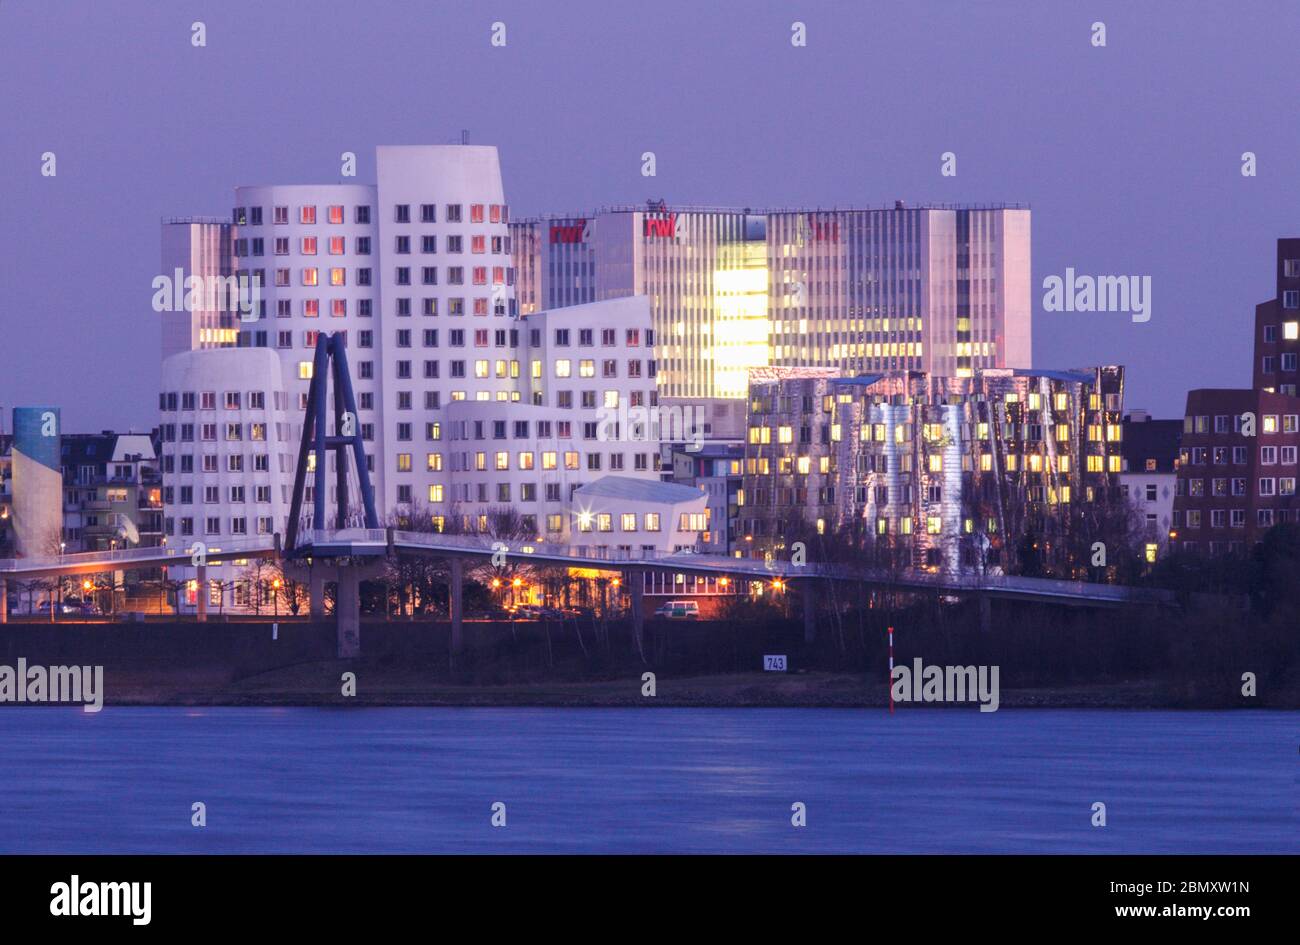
{"points": [[322, 684], [695, 663]]}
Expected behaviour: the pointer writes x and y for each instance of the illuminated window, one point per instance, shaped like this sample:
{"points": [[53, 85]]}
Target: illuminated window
{"points": [[563, 368], [936, 463], [435, 493], [785, 435], [627, 521], [304, 370], [651, 521], [933, 525]]}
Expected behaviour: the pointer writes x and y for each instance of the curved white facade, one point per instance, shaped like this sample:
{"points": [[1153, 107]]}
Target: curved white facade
{"points": [[228, 451]]}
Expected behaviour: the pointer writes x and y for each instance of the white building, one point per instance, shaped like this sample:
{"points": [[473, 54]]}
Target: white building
{"points": [[622, 517], [464, 407], [1150, 474], [228, 455]]}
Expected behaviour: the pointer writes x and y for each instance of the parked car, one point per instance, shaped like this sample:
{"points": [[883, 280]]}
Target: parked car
{"points": [[60, 607], [679, 610]]}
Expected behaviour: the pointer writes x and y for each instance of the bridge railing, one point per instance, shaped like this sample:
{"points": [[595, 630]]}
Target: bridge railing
{"points": [[161, 553], [331, 536], [942, 581]]}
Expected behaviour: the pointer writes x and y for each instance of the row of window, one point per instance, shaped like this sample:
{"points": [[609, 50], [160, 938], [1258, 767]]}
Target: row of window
{"points": [[212, 525], [208, 432], [1269, 363], [335, 214], [1290, 331], [208, 399], [546, 460], [586, 337], [1234, 423], [1231, 518], [1268, 486], [337, 245], [1268, 455]]}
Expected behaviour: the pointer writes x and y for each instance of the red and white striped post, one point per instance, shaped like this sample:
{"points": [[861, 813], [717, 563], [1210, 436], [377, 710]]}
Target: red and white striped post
{"points": [[891, 670]]}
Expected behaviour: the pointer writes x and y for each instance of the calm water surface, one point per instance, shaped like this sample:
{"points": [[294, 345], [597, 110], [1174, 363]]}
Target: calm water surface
{"points": [[646, 780]]}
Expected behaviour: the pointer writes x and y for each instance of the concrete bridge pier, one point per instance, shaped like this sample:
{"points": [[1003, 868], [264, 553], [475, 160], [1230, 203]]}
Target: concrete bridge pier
{"points": [[347, 613], [457, 605], [201, 593], [634, 578], [809, 611], [316, 581], [347, 580]]}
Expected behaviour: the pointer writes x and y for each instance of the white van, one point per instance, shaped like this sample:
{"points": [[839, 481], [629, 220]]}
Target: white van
{"points": [[679, 610]]}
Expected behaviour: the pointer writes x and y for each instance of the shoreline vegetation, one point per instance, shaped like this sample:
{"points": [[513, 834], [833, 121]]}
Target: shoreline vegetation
{"points": [[319, 684]]}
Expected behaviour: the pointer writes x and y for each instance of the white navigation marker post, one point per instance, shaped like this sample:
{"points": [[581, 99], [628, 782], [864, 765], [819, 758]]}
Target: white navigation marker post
{"points": [[891, 670]]}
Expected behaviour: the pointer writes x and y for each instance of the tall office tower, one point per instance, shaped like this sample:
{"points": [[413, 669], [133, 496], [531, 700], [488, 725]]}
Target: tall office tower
{"points": [[943, 290], [196, 264], [704, 271]]}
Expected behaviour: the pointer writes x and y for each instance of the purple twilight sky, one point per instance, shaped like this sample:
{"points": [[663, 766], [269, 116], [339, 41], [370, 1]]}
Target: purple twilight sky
{"points": [[1130, 155]]}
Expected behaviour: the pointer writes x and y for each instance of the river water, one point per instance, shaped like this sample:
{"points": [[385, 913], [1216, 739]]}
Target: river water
{"points": [[373, 780]]}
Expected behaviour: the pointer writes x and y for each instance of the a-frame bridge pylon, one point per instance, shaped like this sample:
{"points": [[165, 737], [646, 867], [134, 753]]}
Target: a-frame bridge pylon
{"points": [[331, 358]]}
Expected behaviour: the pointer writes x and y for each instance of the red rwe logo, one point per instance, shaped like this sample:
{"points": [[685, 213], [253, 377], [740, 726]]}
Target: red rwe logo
{"points": [[664, 227], [568, 232]]}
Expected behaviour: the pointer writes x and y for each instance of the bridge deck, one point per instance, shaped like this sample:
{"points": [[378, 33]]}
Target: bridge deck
{"points": [[361, 542]]}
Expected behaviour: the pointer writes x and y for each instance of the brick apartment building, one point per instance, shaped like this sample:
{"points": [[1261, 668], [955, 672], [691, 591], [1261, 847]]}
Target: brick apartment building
{"points": [[1237, 466]]}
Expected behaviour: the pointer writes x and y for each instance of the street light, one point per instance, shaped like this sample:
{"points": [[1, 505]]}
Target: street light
{"points": [[276, 584]]}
